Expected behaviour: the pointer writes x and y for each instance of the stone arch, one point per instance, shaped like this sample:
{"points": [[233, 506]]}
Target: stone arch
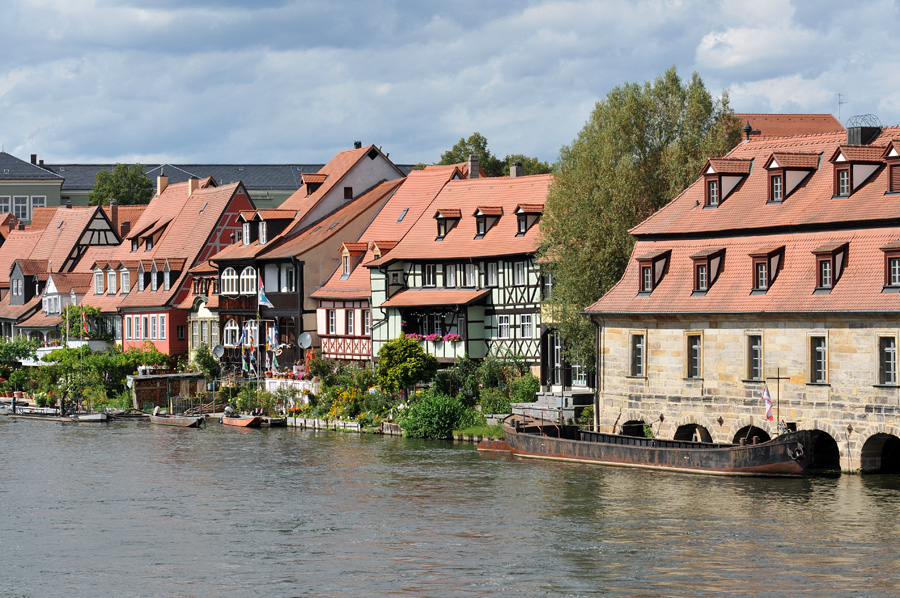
{"points": [[879, 450], [830, 448], [745, 421], [629, 418], [689, 422]]}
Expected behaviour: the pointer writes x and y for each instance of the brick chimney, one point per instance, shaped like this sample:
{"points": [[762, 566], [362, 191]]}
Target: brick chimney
{"points": [[162, 181], [516, 170], [13, 222], [124, 229], [114, 212], [34, 159], [357, 145], [473, 166], [193, 185]]}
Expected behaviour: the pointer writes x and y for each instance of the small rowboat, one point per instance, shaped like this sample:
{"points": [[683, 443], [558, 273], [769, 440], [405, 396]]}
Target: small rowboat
{"points": [[181, 421], [89, 417], [242, 421]]}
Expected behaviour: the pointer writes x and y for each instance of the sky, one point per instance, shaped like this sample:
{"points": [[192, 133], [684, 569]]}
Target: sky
{"points": [[296, 81]]}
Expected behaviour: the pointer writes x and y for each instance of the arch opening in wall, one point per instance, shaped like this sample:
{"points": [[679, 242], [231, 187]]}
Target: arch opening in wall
{"points": [[825, 457], [634, 428], [881, 454], [748, 432], [692, 432]]}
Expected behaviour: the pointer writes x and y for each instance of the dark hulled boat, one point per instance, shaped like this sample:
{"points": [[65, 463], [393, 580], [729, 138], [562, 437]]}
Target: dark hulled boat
{"points": [[793, 454]]}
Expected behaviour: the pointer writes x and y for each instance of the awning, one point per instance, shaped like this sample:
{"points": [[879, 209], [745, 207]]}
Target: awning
{"points": [[435, 297]]}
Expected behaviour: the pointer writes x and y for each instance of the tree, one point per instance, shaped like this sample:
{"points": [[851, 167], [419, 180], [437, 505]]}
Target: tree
{"points": [[128, 183], [73, 325], [204, 361], [529, 165], [641, 147], [402, 364], [492, 166]]}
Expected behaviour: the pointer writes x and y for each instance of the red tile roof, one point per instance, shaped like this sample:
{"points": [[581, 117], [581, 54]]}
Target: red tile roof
{"points": [[780, 125], [793, 160], [414, 297], [727, 166], [859, 153], [41, 320]]}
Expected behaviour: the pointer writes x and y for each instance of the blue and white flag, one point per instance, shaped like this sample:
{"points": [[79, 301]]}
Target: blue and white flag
{"points": [[263, 301]]}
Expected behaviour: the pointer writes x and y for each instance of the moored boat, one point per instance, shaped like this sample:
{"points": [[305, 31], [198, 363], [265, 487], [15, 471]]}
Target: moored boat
{"points": [[242, 421], [793, 454], [89, 417], [180, 421]]}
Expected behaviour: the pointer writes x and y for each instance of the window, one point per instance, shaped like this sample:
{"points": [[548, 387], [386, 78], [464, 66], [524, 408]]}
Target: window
{"points": [[521, 224], [556, 359], [818, 360], [471, 275], [290, 278], [646, 278], [125, 277], [493, 275], [245, 234], [367, 322], [195, 334], [331, 325], [893, 271], [231, 333], [180, 332], [134, 245], [167, 278], [428, 277], [229, 281], [4, 204], [263, 233], [519, 273], [754, 357], [137, 328], [345, 265], [526, 330], [843, 182], [250, 337], [450, 275], [20, 207], [762, 277], [702, 281], [441, 228], [214, 333], [145, 327], [128, 328], [825, 274], [434, 324], [149, 244], [204, 331], [153, 328], [502, 326], [695, 356], [480, 226], [111, 282], [350, 321], [248, 281], [638, 345], [548, 285], [777, 188], [38, 201], [713, 193], [887, 360], [348, 192], [98, 283]]}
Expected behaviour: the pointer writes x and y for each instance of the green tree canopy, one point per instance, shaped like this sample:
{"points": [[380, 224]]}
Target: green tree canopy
{"points": [[128, 183], [640, 148], [402, 363], [477, 144]]}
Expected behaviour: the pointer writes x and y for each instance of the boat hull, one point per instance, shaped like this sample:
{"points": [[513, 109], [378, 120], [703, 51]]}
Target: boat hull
{"points": [[179, 421], [788, 455], [251, 421]]}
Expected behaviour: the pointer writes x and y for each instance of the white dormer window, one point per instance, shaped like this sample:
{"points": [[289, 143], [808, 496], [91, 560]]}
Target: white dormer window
{"points": [[345, 261], [246, 234], [134, 245], [111, 282], [149, 244], [154, 280], [167, 278], [125, 277], [140, 275], [98, 282], [263, 235]]}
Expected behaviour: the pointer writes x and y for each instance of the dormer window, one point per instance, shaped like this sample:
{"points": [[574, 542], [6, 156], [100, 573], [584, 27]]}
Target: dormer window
{"points": [[830, 262], [446, 220], [167, 278], [891, 156], [111, 282], [891, 267], [262, 233], [149, 244], [777, 187], [313, 181], [854, 165], [527, 215], [140, 277], [485, 219], [767, 263], [98, 283], [245, 236], [721, 177], [154, 279], [345, 265], [653, 266], [787, 171], [134, 245], [707, 266]]}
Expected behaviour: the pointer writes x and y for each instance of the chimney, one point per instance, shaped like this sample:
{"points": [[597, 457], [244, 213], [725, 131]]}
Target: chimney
{"points": [[473, 166], [41, 162], [21, 226], [124, 229], [68, 204], [516, 170], [114, 212], [34, 159], [162, 181], [357, 145], [862, 135], [13, 221], [193, 185]]}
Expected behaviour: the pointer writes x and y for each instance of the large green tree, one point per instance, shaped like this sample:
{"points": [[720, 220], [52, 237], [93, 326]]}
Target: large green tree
{"points": [[477, 144], [643, 144], [128, 183], [402, 363]]}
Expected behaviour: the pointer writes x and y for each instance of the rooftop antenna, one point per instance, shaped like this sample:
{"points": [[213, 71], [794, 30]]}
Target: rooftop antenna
{"points": [[840, 103]]}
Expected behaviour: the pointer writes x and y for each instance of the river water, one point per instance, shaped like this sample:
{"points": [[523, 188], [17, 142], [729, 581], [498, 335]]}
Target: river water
{"points": [[131, 509]]}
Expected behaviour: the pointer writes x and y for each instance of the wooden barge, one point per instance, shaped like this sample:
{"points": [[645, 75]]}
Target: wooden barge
{"points": [[793, 454]]}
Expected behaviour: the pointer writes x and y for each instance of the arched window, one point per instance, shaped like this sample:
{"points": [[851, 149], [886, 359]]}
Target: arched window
{"points": [[231, 333], [250, 328], [248, 281], [229, 281]]}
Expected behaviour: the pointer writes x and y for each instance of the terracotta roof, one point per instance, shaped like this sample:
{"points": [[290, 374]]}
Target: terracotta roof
{"points": [[793, 160], [448, 213], [313, 177], [411, 298], [65, 282], [19, 244], [780, 125], [204, 268], [859, 153], [859, 289], [421, 242], [355, 247], [402, 210], [488, 211], [706, 252], [727, 166], [41, 320], [530, 208], [14, 312], [809, 204], [40, 217]]}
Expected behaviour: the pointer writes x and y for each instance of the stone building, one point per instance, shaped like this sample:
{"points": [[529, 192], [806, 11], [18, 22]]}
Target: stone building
{"points": [[778, 269]]}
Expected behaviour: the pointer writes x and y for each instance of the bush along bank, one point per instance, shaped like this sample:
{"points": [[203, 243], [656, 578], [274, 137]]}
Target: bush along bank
{"points": [[408, 389]]}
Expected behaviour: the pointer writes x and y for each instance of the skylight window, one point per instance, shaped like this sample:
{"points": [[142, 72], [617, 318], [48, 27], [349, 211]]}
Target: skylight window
{"points": [[402, 215]]}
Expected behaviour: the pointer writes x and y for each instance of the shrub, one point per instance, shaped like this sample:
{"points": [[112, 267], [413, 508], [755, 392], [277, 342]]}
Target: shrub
{"points": [[402, 363], [494, 400], [586, 419], [524, 388], [432, 415]]}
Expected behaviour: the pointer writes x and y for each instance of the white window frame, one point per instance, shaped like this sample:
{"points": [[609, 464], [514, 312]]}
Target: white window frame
{"points": [[470, 275], [38, 201], [450, 276], [98, 282], [153, 329], [429, 276], [125, 277], [694, 355], [167, 278], [518, 274], [248, 281], [245, 233], [330, 321], [637, 354], [20, 201], [367, 322], [232, 335], [154, 278], [145, 327], [128, 327], [5, 204], [526, 326], [351, 317], [493, 274], [111, 282], [887, 359], [503, 326], [752, 357], [229, 281], [263, 233], [162, 327], [817, 347]]}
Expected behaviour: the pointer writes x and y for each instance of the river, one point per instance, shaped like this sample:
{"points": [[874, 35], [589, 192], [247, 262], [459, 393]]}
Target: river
{"points": [[129, 509]]}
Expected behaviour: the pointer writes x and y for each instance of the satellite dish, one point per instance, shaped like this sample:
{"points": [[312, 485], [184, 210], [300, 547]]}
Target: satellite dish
{"points": [[218, 351], [304, 341]]}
